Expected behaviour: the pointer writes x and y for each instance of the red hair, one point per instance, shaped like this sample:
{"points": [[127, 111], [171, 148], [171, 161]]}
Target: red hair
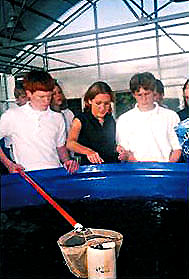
{"points": [[38, 80]]}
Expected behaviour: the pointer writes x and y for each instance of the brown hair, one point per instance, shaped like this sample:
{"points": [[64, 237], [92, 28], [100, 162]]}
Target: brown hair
{"points": [[185, 85], [145, 80], [96, 88], [159, 87], [64, 104], [19, 89], [38, 80]]}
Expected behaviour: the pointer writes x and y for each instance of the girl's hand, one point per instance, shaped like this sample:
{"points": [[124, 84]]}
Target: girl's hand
{"points": [[94, 158]]}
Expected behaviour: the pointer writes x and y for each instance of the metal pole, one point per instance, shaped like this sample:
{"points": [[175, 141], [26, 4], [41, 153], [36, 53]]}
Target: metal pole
{"points": [[45, 59], [6, 91], [157, 39], [97, 41]]}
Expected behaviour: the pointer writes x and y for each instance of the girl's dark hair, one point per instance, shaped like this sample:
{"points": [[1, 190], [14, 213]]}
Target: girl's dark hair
{"points": [[96, 88], [145, 80], [159, 87], [38, 80], [19, 89], [184, 88], [64, 104], [185, 85]]}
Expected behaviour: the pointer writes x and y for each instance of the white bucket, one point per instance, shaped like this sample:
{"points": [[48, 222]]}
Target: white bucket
{"points": [[101, 261]]}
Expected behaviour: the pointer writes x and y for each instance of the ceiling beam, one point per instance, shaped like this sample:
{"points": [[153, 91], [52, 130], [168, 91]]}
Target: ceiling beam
{"points": [[131, 9], [100, 30], [157, 25], [19, 4], [118, 61]]}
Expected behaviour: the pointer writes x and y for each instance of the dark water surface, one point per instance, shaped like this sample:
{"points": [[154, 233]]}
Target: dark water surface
{"points": [[154, 244]]}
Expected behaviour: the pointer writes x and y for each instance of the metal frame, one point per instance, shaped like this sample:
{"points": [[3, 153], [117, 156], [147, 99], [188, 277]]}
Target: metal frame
{"points": [[61, 26], [53, 40], [144, 20]]}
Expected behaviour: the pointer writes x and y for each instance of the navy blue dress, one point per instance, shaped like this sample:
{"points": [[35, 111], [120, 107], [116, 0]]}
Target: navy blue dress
{"points": [[100, 138]]}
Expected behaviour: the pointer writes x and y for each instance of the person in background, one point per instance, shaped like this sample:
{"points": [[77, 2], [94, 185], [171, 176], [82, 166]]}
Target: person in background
{"points": [[6, 150], [184, 113], [92, 134], [5, 143], [20, 94], [59, 104], [182, 129], [159, 93], [36, 132], [146, 132], [21, 99]]}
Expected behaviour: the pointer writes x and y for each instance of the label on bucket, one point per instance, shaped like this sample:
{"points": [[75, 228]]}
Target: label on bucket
{"points": [[101, 261]]}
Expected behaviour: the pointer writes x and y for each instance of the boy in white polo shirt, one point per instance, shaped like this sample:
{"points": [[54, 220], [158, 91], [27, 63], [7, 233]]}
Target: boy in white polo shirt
{"points": [[36, 132], [146, 132]]}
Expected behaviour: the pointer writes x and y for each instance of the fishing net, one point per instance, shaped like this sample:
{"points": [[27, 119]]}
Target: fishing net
{"points": [[74, 246]]}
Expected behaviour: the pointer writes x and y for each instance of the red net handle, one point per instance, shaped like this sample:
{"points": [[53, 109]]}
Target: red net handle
{"points": [[48, 198]]}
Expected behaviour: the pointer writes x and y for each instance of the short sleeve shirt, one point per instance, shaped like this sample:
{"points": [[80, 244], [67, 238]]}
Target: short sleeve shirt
{"points": [[35, 136], [149, 135]]}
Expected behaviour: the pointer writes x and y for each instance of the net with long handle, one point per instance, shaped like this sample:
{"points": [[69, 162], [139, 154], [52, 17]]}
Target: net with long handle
{"points": [[75, 243]]}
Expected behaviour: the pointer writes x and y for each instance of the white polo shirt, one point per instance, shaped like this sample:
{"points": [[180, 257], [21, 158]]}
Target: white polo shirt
{"points": [[149, 135], [35, 136]]}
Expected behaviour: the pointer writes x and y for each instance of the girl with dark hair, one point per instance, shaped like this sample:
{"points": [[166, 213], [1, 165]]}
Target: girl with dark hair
{"points": [[92, 135], [59, 104]]}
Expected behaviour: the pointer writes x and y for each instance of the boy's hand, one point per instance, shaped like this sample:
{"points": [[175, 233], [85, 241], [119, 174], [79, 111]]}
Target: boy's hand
{"points": [[71, 166], [13, 167]]}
